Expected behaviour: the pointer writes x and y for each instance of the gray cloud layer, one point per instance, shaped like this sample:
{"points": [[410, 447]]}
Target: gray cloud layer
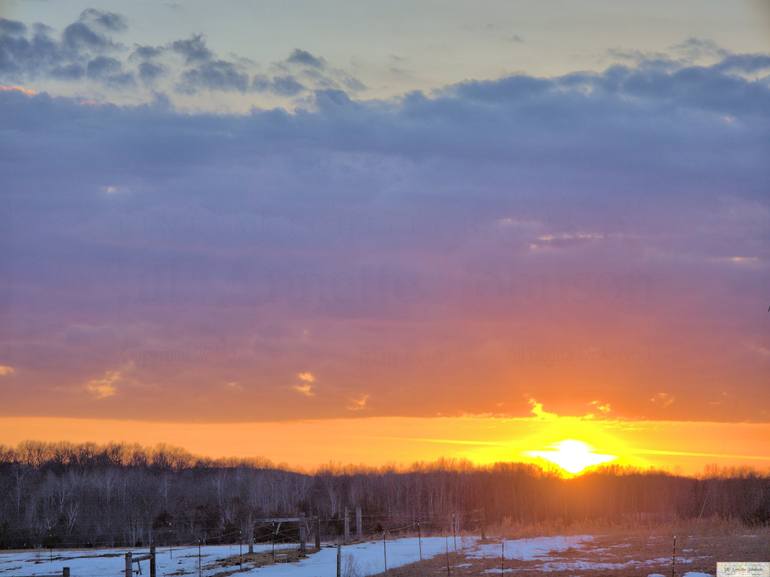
{"points": [[604, 234]]}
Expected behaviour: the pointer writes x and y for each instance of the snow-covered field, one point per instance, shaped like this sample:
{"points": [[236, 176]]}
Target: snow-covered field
{"points": [[542, 554], [111, 562], [367, 559]]}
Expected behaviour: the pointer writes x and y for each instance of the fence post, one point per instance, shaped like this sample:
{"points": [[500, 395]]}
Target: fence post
{"points": [[65, 572], [446, 550], [419, 539], [273, 535], [251, 541], [152, 560], [359, 523], [302, 536], [454, 531], [385, 551], [129, 565], [339, 560], [318, 533], [199, 556], [673, 559], [502, 556]]}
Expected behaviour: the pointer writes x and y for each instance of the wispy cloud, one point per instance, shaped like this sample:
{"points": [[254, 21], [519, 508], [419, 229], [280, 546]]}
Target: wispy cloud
{"points": [[234, 386], [306, 385], [663, 400], [603, 408], [6, 370], [358, 403], [105, 386]]}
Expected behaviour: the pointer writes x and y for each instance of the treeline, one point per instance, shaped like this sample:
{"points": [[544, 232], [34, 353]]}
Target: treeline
{"points": [[59, 494]]}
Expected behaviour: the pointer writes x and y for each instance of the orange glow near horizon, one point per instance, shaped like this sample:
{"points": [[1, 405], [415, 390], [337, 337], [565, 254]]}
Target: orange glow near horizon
{"points": [[685, 447]]}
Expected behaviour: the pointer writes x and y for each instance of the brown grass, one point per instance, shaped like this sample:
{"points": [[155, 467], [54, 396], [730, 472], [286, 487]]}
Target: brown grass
{"points": [[619, 551]]}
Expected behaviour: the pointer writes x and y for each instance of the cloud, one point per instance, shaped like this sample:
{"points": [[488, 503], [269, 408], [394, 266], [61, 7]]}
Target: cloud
{"points": [[744, 63], [108, 70], [29, 53], [87, 49], [22, 89], [695, 48], [105, 386], [6, 370], [146, 52], [359, 403], [565, 240], [399, 232], [110, 189], [664, 400], [539, 412], [214, 75], [12, 27], [234, 386], [284, 85], [603, 408], [306, 377], [306, 386], [194, 49], [150, 72], [305, 58], [108, 20]]}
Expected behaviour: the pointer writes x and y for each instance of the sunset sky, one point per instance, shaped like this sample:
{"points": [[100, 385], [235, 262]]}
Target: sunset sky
{"points": [[380, 232]]}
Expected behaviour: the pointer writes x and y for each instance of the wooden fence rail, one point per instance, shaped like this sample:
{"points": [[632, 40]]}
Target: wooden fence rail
{"points": [[130, 560]]}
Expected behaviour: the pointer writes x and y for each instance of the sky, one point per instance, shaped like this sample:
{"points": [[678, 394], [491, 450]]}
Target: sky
{"points": [[380, 232]]}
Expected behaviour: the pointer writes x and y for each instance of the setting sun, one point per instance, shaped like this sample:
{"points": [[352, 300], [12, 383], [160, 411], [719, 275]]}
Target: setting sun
{"points": [[573, 456]]}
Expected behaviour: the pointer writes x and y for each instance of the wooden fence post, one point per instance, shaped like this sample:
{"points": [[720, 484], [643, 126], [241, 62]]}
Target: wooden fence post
{"points": [[273, 534], [454, 531], [339, 560], [129, 565], [318, 533], [152, 560], [302, 535], [65, 572], [673, 559], [446, 549], [419, 539]]}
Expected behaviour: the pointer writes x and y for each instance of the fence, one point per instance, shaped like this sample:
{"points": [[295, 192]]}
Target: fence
{"points": [[378, 555], [298, 533]]}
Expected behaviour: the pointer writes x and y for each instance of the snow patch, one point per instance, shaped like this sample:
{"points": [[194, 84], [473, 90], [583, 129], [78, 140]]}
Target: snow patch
{"points": [[530, 549]]}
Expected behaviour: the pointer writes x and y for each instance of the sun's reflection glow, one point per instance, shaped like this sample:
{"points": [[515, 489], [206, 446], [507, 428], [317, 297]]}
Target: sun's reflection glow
{"points": [[572, 456]]}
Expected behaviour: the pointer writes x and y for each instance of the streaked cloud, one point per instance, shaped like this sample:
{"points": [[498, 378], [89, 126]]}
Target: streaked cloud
{"points": [[664, 400], [105, 386], [306, 385], [358, 403]]}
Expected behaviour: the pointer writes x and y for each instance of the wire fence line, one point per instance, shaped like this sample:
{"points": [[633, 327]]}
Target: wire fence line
{"points": [[200, 561]]}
